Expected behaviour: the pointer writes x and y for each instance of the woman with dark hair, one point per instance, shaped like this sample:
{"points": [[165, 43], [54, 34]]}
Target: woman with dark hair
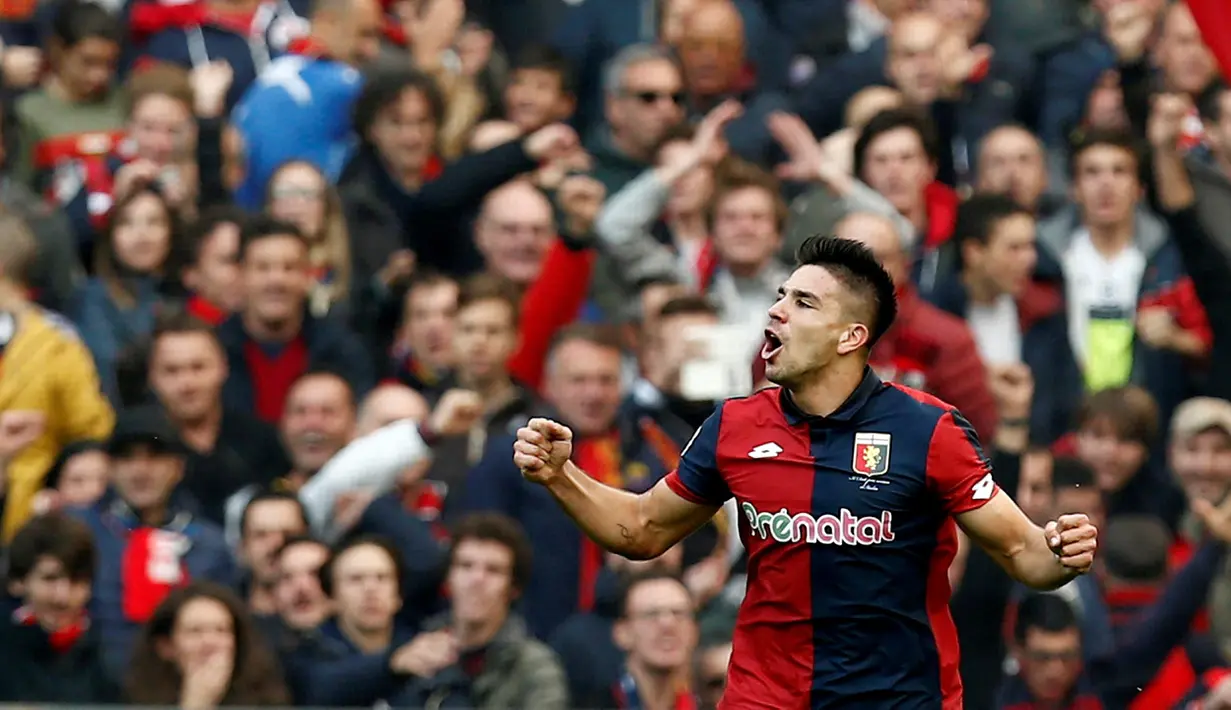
{"points": [[133, 272], [200, 651], [76, 479]]}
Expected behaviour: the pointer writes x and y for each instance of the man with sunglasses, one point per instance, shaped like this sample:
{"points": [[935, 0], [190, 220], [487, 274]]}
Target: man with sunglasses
{"points": [[644, 99]]}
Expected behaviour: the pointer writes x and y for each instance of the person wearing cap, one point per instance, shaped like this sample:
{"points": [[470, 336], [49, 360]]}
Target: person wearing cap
{"points": [[149, 538]]}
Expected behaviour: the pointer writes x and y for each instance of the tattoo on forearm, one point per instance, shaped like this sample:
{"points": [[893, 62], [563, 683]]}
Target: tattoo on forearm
{"points": [[625, 532]]}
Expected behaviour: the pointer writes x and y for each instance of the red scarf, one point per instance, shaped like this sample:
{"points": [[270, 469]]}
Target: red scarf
{"points": [[206, 311], [63, 638], [153, 565], [599, 456]]}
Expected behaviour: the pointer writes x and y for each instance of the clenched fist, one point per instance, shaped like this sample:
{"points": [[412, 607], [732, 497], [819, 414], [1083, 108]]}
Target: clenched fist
{"points": [[1073, 539], [542, 449]]}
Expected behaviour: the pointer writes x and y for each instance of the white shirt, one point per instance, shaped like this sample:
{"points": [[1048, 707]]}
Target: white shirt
{"points": [[997, 331], [1099, 287]]}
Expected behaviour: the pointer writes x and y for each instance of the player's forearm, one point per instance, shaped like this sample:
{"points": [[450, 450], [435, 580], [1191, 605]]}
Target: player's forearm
{"points": [[609, 516], [1037, 567]]}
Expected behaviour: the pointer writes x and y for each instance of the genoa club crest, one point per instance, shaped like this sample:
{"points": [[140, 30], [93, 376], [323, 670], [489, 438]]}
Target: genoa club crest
{"points": [[871, 454]]}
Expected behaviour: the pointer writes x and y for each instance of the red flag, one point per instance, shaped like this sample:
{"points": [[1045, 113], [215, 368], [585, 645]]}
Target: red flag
{"points": [[1213, 18]]}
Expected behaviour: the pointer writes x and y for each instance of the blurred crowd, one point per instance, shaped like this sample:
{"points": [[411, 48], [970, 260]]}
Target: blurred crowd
{"points": [[279, 281]]}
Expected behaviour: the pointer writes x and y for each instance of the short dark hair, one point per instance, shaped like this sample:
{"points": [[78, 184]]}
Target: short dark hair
{"points": [[547, 58], [856, 267], [1046, 612], [197, 233], [266, 496], [350, 543], [634, 580], [891, 120], [385, 87], [296, 540], [1087, 139], [490, 287], [979, 216], [1209, 101], [328, 374], [602, 335], [75, 21], [734, 174], [1071, 472], [500, 529], [264, 227], [1131, 410], [58, 536], [72, 450], [176, 321], [1135, 548], [689, 305]]}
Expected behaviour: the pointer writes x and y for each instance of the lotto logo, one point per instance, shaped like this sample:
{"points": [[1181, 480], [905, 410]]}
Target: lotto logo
{"points": [[845, 528]]}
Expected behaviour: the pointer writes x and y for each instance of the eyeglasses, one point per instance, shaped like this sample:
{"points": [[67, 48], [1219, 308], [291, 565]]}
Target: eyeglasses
{"points": [[652, 97]]}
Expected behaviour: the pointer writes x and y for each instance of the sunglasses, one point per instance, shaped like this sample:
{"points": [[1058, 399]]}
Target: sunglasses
{"points": [[650, 97]]}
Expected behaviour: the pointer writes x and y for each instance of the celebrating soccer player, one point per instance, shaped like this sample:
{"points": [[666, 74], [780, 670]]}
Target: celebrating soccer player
{"points": [[849, 489]]}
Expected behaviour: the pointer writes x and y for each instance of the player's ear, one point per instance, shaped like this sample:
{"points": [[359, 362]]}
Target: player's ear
{"points": [[854, 337], [621, 634]]}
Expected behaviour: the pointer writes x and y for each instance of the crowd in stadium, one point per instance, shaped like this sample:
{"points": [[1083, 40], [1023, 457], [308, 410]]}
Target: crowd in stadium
{"points": [[280, 280]]}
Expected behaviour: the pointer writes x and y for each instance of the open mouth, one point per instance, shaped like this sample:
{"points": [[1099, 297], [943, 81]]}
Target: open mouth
{"points": [[772, 346]]}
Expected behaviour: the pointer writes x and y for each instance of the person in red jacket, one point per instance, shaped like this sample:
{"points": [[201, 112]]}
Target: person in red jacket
{"points": [[926, 348]]}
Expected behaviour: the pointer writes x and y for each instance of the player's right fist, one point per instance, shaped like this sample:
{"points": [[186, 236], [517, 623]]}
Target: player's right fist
{"points": [[541, 450]]}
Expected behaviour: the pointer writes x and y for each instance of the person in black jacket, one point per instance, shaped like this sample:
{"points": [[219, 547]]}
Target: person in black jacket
{"points": [[49, 653]]}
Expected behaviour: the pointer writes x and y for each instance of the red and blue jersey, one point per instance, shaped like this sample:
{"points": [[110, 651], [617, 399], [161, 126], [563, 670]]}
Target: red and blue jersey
{"points": [[848, 525]]}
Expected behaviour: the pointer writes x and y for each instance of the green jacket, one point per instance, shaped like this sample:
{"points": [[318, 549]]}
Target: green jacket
{"points": [[518, 672]]}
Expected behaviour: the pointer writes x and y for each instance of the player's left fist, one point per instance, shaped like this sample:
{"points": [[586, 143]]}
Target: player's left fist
{"points": [[1073, 538]]}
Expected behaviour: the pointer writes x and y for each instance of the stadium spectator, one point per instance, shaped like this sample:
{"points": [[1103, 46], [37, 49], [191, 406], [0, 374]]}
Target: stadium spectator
{"points": [[50, 651], [269, 520], [76, 479], [211, 274]]}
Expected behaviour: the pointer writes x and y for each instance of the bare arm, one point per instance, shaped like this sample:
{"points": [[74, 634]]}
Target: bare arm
{"points": [[1023, 549], [637, 526]]}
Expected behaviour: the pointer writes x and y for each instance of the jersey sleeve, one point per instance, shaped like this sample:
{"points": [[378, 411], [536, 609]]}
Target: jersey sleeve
{"points": [[957, 469], [697, 477]]}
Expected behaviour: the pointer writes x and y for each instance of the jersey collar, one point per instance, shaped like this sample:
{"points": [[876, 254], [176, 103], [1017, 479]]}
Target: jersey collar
{"points": [[855, 402]]}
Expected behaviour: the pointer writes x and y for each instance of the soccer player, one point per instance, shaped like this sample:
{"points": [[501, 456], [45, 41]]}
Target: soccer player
{"points": [[849, 490]]}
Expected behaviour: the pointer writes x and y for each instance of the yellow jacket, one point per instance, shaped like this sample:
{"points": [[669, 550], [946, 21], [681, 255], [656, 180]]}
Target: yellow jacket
{"points": [[45, 367]]}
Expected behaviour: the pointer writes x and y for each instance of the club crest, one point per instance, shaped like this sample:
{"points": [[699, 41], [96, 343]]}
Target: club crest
{"points": [[871, 457]]}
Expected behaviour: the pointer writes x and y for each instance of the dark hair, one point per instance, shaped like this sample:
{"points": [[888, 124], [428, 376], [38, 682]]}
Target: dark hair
{"points": [[856, 268], [547, 58], [1131, 411], [1088, 139], [264, 227], [636, 579], [891, 120], [1072, 472], [176, 321], [55, 535], [295, 540], [83, 446], [266, 496], [601, 335], [979, 216], [679, 133], [733, 175], [328, 374], [500, 529], [107, 266], [75, 21], [199, 232], [1135, 548], [1046, 612], [1209, 101], [689, 305], [384, 88], [350, 543], [256, 678], [490, 287]]}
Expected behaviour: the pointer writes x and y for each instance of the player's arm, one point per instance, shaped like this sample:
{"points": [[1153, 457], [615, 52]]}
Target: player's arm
{"points": [[637, 526], [962, 477]]}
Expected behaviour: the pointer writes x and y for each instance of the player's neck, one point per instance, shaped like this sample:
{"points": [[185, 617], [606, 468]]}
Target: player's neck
{"points": [[656, 689], [829, 389]]}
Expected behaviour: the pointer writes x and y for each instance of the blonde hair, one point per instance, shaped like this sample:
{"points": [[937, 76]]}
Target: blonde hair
{"points": [[330, 248]]}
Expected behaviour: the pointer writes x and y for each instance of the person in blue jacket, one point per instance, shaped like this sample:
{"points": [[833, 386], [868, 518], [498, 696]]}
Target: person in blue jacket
{"points": [[148, 536]]}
